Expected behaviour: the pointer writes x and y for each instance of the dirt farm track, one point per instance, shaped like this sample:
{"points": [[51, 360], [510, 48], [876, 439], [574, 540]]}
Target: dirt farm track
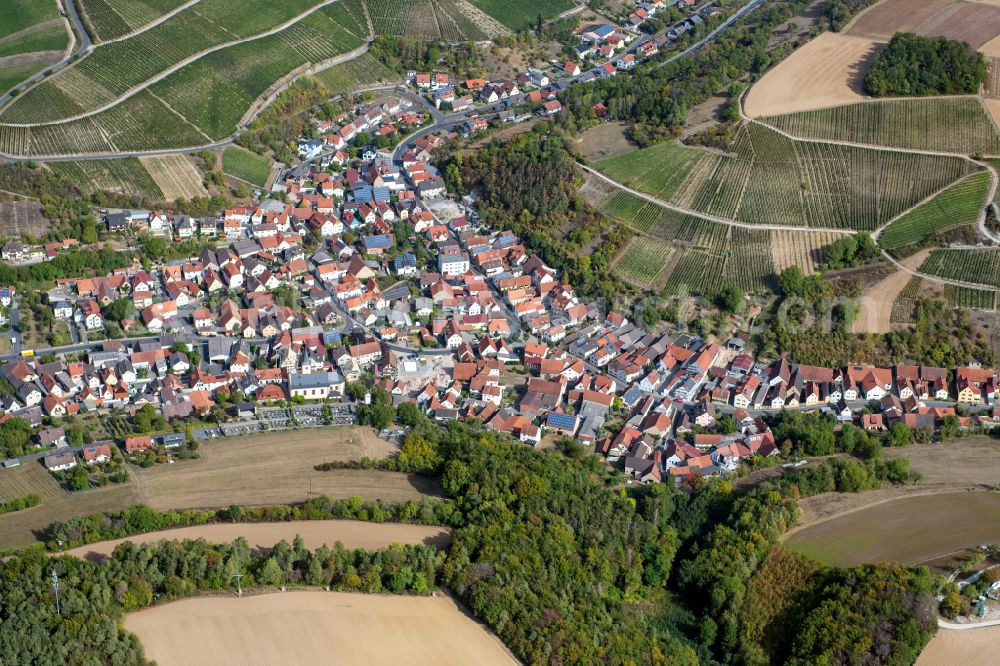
{"points": [[295, 628], [315, 533]]}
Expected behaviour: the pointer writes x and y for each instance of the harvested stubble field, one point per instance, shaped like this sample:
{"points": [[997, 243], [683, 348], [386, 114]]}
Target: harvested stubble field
{"points": [[976, 23], [262, 536], [315, 628], [771, 179], [973, 465], [911, 530], [827, 71], [278, 467], [176, 176], [261, 469], [949, 647], [948, 124]]}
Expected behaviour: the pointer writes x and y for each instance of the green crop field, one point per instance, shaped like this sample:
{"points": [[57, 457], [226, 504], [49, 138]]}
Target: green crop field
{"points": [[124, 176], [215, 92], [49, 38], [644, 259], [17, 15], [113, 69], [959, 204], [521, 14], [111, 19], [11, 76], [246, 165], [978, 299], [975, 266], [424, 19], [365, 70], [143, 123], [959, 125], [770, 179]]}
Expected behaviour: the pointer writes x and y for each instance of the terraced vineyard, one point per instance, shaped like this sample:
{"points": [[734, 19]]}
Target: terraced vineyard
{"points": [[520, 14], [110, 19], [973, 265], [715, 254], [770, 179], [906, 302], [958, 125], [214, 92], [112, 69], [977, 299], [644, 259], [124, 176], [425, 19], [365, 70], [144, 123], [960, 204]]}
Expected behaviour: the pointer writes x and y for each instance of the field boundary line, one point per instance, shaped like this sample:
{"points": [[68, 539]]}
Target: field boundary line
{"points": [[179, 114], [170, 70], [711, 218]]}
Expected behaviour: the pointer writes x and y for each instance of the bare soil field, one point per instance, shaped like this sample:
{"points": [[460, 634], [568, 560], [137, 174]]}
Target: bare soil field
{"points": [[993, 106], [603, 141], [827, 71], [911, 530], [262, 536], [977, 23], [702, 116], [176, 176], [18, 217], [971, 646], [262, 469], [882, 20], [973, 463], [39, 58], [315, 628], [876, 302]]}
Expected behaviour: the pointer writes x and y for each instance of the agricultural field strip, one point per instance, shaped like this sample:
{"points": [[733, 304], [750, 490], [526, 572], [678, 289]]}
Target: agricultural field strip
{"points": [[151, 24], [994, 180], [795, 124], [878, 231], [175, 67], [712, 218]]}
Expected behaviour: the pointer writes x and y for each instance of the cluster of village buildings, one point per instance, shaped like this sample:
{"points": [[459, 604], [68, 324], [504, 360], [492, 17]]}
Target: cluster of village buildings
{"points": [[367, 270], [445, 332]]}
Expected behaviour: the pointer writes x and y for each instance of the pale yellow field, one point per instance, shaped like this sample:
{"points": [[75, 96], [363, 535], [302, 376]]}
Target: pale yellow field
{"points": [[261, 536], [310, 628], [805, 250], [967, 646], [825, 72], [176, 176]]}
